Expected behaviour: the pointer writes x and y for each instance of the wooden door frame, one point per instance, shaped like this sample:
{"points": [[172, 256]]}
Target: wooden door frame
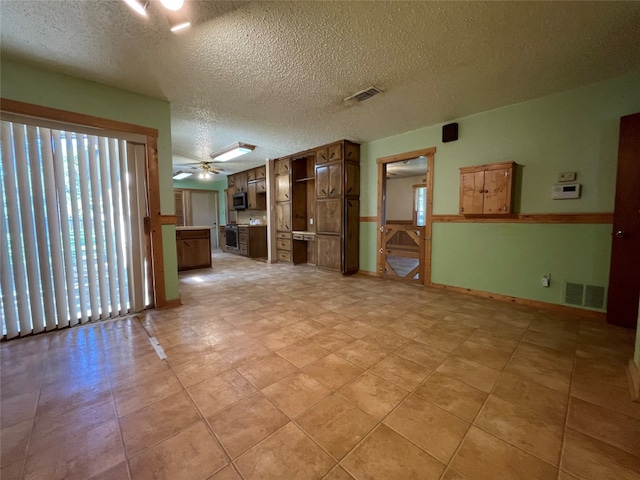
{"points": [[382, 162], [155, 220]]}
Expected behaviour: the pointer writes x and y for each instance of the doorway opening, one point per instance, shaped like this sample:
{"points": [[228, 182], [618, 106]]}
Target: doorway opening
{"points": [[404, 216]]}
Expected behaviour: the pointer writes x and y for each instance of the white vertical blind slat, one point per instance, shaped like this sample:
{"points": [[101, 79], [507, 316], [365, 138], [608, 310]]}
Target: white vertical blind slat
{"points": [[16, 228], [105, 182], [28, 234], [136, 208], [47, 305], [87, 227], [63, 202], [96, 200], [53, 227], [78, 287], [7, 286], [117, 179]]}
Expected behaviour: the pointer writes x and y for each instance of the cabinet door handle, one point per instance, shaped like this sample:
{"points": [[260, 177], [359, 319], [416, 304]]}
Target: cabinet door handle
{"points": [[349, 189], [324, 192], [286, 195], [332, 190]]}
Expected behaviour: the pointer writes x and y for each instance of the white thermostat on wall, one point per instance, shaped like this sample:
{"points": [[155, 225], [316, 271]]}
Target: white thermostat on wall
{"points": [[562, 192]]}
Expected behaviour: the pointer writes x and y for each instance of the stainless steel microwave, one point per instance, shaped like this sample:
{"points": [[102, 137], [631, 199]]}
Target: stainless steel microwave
{"points": [[240, 201]]}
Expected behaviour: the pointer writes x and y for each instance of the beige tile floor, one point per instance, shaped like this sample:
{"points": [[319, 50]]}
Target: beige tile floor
{"points": [[281, 372]]}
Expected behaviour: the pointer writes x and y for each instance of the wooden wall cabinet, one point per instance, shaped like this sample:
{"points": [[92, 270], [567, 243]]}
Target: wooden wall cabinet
{"points": [[317, 212], [487, 189], [338, 206]]}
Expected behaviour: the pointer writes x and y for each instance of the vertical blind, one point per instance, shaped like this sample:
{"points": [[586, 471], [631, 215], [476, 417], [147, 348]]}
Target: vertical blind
{"points": [[71, 226]]}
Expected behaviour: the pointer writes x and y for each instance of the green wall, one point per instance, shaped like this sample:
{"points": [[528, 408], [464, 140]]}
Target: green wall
{"points": [[570, 131], [218, 184], [41, 87]]}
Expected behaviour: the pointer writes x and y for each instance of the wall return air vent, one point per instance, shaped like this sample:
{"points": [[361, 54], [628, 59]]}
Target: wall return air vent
{"points": [[584, 295], [363, 95]]}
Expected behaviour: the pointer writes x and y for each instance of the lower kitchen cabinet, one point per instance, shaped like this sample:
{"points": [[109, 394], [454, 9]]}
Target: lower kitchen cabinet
{"points": [[193, 248], [329, 251]]}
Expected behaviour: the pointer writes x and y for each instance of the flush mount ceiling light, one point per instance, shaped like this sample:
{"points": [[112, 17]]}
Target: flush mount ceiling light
{"points": [[232, 151], [181, 175]]}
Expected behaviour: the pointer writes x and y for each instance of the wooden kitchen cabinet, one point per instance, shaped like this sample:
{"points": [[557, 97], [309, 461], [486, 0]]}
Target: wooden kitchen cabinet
{"points": [[283, 188], [252, 241], [317, 200], [283, 216], [241, 182], [329, 180], [487, 189], [256, 199], [282, 166], [193, 248]]}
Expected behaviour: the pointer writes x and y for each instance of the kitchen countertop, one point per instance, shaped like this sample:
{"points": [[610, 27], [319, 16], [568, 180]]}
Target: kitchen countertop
{"points": [[303, 232], [190, 227], [243, 225]]}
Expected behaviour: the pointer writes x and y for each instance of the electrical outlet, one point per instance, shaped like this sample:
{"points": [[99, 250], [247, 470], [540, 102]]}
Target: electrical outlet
{"points": [[546, 280]]}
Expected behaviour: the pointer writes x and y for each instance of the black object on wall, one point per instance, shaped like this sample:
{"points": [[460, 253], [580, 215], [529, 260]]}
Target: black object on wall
{"points": [[450, 132]]}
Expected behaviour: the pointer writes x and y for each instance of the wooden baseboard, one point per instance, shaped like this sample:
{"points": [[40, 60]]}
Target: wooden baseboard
{"points": [[174, 302], [634, 380], [367, 273], [523, 301]]}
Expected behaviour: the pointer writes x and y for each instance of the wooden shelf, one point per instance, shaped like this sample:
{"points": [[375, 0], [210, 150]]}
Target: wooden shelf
{"points": [[306, 179]]}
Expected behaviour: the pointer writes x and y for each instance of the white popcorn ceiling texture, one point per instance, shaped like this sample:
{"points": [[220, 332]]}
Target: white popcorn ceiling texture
{"points": [[274, 74]]}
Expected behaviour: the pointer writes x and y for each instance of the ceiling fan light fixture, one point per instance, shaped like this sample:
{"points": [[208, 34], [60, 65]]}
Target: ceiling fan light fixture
{"points": [[172, 4], [181, 175], [232, 151], [180, 26], [138, 6]]}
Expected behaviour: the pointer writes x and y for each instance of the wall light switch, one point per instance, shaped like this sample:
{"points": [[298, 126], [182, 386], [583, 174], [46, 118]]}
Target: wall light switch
{"points": [[567, 177], [311, 221], [546, 280]]}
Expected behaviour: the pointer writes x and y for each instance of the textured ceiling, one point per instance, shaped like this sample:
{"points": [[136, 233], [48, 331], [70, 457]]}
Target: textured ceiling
{"points": [[274, 74]]}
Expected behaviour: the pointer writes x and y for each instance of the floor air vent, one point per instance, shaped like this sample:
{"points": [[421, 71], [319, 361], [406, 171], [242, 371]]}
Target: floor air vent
{"points": [[584, 295], [364, 94]]}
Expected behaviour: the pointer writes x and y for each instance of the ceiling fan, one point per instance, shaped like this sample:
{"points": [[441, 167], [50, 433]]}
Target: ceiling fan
{"points": [[173, 11], [202, 169]]}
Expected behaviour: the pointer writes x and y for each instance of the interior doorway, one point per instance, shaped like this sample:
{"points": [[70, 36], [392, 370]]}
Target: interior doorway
{"points": [[204, 212], [198, 208], [404, 216], [624, 276]]}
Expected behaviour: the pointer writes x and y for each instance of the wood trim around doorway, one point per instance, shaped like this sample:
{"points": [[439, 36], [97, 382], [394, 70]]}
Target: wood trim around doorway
{"points": [[382, 161]]}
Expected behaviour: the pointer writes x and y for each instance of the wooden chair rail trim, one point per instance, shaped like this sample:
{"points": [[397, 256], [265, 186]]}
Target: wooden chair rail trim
{"points": [[39, 111], [368, 219], [168, 219], [523, 301], [587, 218]]}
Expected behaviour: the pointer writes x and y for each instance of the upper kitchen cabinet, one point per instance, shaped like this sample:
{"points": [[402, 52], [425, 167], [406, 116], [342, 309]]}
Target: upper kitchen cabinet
{"points": [[487, 189], [241, 182]]}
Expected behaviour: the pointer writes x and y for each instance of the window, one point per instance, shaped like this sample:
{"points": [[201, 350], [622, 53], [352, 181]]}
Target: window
{"points": [[420, 205]]}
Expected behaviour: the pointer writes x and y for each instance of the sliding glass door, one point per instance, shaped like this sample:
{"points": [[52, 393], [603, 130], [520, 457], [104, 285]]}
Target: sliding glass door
{"points": [[71, 228]]}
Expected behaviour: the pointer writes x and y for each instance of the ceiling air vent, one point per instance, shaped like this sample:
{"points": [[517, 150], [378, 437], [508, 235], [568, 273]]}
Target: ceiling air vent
{"points": [[584, 295], [364, 94]]}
